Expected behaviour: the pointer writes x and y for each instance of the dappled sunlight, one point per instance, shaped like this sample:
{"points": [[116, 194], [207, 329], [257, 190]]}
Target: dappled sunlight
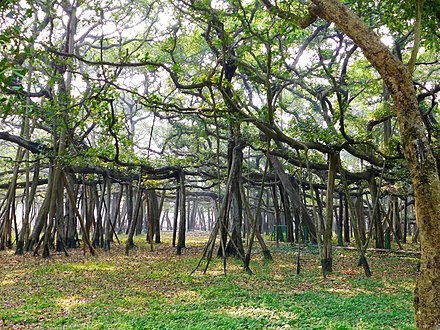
{"points": [[216, 272], [346, 292], [93, 266], [259, 313], [390, 286], [70, 303], [185, 296], [13, 277], [8, 282]]}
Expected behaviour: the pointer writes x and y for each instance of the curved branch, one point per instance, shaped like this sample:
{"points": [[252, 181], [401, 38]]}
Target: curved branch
{"points": [[33, 147]]}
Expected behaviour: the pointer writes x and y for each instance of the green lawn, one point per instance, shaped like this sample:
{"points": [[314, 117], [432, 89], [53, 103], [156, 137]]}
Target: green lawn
{"points": [[154, 290]]}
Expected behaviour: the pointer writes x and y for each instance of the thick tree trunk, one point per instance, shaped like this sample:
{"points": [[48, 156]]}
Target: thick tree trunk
{"points": [[418, 153]]}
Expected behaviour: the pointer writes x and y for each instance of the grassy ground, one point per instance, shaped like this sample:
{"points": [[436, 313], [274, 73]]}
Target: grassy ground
{"points": [[154, 290]]}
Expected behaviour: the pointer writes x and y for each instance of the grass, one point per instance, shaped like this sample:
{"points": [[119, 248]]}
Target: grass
{"points": [[154, 290]]}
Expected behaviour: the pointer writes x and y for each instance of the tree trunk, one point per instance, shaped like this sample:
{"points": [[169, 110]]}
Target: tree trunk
{"points": [[78, 214], [359, 206], [140, 216], [129, 205], [107, 219], [376, 215], [98, 234], [116, 212], [153, 217], [60, 223], [158, 227], [397, 222], [327, 262], [132, 225], [287, 214], [176, 216], [23, 237], [362, 259], [90, 202], [405, 219], [293, 195], [192, 215], [319, 208], [182, 214], [340, 220], [278, 231], [72, 240], [41, 218]]}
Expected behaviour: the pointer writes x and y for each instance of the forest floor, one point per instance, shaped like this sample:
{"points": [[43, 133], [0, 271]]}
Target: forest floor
{"points": [[154, 290]]}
